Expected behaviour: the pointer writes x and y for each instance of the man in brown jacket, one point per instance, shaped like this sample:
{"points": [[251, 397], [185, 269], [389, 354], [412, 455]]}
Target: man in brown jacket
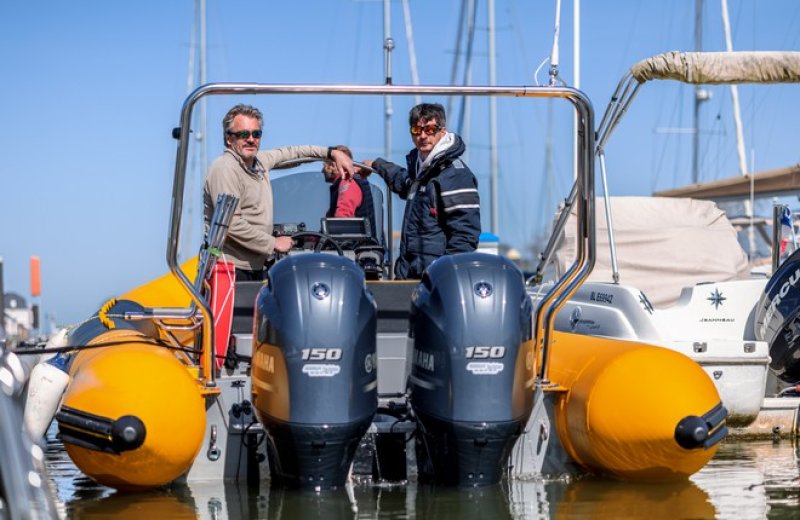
{"points": [[243, 171]]}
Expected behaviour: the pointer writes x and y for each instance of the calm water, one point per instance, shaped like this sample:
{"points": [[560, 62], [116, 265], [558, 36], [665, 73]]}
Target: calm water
{"points": [[745, 480]]}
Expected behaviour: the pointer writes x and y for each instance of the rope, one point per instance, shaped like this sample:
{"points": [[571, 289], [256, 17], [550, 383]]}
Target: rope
{"points": [[102, 314], [72, 348]]}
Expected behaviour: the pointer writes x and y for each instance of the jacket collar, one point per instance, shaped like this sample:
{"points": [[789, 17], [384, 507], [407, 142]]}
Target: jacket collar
{"points": [[455, 149], [257, 170]]}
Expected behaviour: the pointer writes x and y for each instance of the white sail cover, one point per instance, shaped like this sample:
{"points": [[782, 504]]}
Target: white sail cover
{"points": [[721, 67], [662, 246]]}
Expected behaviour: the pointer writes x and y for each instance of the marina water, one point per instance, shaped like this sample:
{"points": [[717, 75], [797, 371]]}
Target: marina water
{"points": [[745, 480]]}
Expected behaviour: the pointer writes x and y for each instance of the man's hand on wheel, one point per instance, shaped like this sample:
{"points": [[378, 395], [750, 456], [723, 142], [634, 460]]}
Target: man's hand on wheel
{"points": [[283, 244]]}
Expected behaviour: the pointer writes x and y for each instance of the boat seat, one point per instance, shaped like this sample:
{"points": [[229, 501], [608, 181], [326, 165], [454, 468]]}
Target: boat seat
{"points": [[243, 307], [394, 303]]}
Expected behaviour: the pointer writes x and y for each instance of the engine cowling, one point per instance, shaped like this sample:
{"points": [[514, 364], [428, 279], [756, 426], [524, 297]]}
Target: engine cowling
{"points": [[471, 367], [777, 319], [314, 367]]}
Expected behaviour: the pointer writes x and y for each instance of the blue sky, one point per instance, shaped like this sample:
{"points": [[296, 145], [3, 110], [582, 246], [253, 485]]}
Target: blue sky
{"points": [[92, 90]]}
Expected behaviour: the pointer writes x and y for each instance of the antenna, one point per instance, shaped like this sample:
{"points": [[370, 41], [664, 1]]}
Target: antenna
{"points": [[554, 54]]}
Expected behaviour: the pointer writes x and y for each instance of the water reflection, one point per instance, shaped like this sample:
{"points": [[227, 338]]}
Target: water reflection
{"points": [[753, 480], [603, 498], [364, 500], [134, 506], [475, 503], [745, 480]]}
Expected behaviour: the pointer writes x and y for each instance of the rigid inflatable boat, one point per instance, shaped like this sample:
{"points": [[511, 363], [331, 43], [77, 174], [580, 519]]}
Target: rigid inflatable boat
{"points": [[167, 381]]}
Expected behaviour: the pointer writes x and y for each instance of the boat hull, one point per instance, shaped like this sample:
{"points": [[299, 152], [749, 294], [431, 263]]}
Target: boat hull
{"points": [[719, 338]]}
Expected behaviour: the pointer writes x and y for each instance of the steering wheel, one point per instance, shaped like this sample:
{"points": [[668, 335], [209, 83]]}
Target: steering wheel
{"points": [[322, 240]]}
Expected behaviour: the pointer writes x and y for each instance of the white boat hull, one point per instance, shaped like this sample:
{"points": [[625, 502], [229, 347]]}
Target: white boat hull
{"points": [[711, 324]]}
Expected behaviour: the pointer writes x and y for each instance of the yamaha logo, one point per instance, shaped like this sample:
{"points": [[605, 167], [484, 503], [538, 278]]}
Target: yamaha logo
{"points": [[483, 289], [369, 362], [320, 291]]}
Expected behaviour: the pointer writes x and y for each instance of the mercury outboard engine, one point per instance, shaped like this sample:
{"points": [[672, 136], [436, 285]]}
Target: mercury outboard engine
{"points": [[777, 319], [471, 367], [314, 367]]}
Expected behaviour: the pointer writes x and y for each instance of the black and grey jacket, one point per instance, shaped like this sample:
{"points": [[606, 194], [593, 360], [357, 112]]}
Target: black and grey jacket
{"points": [[442, 214]]}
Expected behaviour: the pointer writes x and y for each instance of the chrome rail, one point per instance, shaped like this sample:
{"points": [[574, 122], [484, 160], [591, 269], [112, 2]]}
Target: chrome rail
{"points": [[565, 287]]}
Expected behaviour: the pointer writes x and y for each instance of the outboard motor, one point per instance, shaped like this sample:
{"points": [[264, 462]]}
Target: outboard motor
{"points": [[471, 376], [777, 319], [314, 367]]}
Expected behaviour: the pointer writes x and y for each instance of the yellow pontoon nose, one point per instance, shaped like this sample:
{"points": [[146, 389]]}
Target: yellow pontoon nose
{"points": [[634, 411], [133, 415]]}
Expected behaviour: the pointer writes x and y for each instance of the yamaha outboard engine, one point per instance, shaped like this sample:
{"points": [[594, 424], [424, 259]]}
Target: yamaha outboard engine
{"points": [[471, 367], [314, 367], [777, 319]]}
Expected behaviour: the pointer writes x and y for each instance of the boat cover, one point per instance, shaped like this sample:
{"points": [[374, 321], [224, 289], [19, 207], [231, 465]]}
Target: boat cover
{"points": [[662, 246], [720, 67]]}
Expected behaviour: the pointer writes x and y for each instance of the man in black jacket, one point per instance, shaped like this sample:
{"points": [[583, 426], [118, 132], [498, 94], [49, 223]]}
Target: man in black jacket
{"points": [[442, 214]]}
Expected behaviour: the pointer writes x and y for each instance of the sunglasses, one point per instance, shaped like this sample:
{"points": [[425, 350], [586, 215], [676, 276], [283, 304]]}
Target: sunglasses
{"points": [[245, 134], [429, 129]]}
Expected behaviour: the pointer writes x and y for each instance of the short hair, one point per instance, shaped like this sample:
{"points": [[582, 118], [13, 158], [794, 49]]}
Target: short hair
{"points": [[239, 110], [427, 111]]}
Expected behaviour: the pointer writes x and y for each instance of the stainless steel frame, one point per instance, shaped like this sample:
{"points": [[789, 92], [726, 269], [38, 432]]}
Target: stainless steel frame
{"points": [[555, 299]]}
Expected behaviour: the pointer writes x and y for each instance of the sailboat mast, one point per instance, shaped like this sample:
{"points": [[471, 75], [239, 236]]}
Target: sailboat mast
{"points": [[457, 54], [737, 119], [737, 115], [200, 152], [493, 164], [412, 53], [463, 121], [698, 92], [203, 80], [388, 46]]}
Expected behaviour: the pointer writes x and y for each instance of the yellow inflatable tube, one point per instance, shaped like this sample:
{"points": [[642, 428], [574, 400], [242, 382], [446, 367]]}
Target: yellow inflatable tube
{"points": [[620, 404], [133, 415]]}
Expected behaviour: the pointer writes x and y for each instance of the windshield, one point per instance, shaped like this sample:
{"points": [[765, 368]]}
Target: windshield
{"points": [[304, 197], [300, 197]]}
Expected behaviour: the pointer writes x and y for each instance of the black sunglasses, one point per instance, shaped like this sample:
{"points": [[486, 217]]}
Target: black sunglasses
{"points": [[245, 134]]}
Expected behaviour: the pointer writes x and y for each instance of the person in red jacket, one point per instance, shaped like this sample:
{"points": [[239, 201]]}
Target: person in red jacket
{"points": [[349, 195]]}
